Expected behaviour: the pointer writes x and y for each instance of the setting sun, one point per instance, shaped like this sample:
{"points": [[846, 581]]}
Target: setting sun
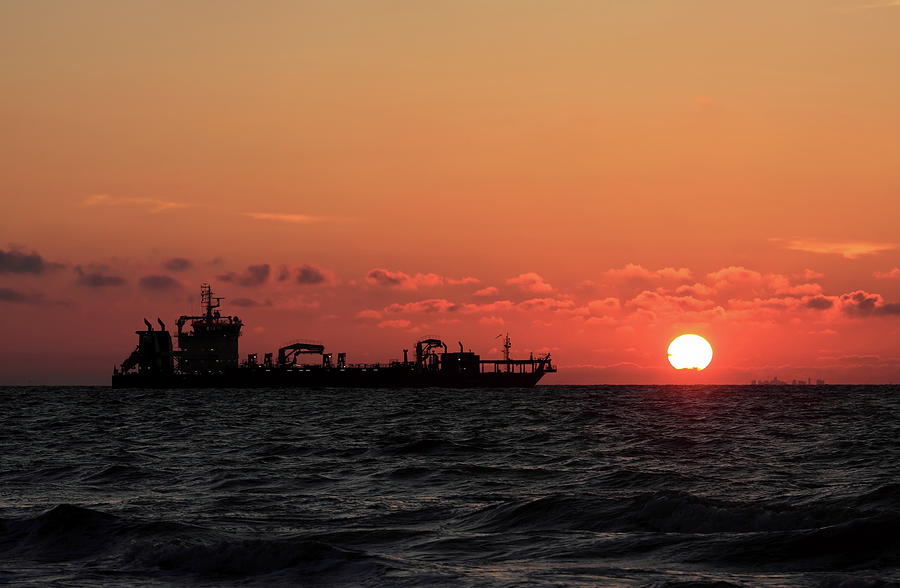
{"points": [[690, 352]]}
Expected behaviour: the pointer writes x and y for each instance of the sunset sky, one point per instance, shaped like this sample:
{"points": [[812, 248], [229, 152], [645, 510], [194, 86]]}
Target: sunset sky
{"points": [[594, 177]]}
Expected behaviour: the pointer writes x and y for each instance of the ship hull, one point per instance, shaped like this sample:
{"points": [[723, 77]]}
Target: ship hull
{"points": [[328, 378]]}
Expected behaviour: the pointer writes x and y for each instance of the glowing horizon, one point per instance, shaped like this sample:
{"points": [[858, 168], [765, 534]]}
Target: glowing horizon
{"points": [[593, 178]]}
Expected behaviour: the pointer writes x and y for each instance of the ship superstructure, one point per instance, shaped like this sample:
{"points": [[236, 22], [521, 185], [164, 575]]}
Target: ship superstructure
{"points": [[208, 356], [211, 343]]}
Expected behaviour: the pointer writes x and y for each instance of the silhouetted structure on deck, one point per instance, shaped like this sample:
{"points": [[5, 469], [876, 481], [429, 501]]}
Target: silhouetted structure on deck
{"points": [[207, 356]]}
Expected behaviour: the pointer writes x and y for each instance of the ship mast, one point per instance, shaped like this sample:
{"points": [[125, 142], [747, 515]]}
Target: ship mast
{"points": [[206, 300], [506, 346]]}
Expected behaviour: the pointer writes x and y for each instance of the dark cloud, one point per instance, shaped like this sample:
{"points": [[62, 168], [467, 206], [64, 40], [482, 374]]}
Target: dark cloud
{"points": [[16, 297], [158, 283], [255, 275], [178, 264], [19, 262], [819, 303], [859, 303], [862, 304], [310, 274], [246, 302], [96, 279], [383, 277]]}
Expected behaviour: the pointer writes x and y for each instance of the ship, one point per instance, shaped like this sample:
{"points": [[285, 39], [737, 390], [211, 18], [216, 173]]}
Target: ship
{"points": [[207, 356]]}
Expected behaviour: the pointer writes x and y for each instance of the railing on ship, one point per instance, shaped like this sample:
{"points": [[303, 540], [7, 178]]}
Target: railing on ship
{"points": [[519, 366]]}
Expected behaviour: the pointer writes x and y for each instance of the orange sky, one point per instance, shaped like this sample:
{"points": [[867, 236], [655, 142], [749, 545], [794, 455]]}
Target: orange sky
{"points": [[593, 177]]}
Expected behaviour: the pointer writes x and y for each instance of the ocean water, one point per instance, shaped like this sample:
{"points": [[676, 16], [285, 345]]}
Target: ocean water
{"points": [[646, 486]]}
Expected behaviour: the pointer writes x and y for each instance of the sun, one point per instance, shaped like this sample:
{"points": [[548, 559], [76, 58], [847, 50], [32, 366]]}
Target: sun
{"points": [[690, 352]]}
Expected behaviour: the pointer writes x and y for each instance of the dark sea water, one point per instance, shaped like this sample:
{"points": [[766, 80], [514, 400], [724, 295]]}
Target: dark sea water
{"points": [[659, 486]]}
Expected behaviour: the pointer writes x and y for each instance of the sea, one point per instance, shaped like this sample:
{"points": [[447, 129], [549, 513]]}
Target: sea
{"points": [[556, 486]]}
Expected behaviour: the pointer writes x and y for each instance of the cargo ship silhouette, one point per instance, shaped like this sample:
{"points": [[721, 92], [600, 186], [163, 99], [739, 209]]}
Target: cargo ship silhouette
{"points": [[208, 357]]}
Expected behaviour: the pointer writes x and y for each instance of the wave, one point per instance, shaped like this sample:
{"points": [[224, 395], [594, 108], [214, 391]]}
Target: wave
{"points": [[860, 543], [465, 472], [68, 533], [118, 473], [662, 512], [562, 486], [431, 446]]}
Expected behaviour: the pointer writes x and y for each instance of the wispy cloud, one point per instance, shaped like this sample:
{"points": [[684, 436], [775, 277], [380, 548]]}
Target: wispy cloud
{"points": [[846, 249], [18, 297], [96, 277], [869, 6], [300, 219], [255, 275], [178, 264], [16, 261], [395, 324], [151, 205], [403, 281], [530, 282]]}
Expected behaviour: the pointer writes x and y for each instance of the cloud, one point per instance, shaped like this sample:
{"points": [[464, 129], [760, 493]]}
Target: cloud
{"points": [[819, 303], [604, 307], [254, 275], [178, 264], [369, 314], [312, 275], [489, 307], [403, 281], [737, 278], [151, 205], [247, 302], [809, 274], [530, 282], [491, 320], [395, 324], [734, 275], [389, 279], [697, 290], [656, 302], [854, 359], [781, 304], [442, 305], [544, 304], [863, 304], [846, 249], [869, 6], [601, 321], [809, 289], [424, 306], [96, 278], [894, 273], [288, 217], [17, 297], [15, 261], [489, 291], [632, 272], [158, 283]]}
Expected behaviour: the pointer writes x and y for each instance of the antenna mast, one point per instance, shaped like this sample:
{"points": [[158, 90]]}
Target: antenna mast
{"points": [[206, 300]]}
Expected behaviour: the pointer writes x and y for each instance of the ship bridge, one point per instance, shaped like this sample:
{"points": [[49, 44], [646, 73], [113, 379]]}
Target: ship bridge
{"points": [[211, 344]]}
